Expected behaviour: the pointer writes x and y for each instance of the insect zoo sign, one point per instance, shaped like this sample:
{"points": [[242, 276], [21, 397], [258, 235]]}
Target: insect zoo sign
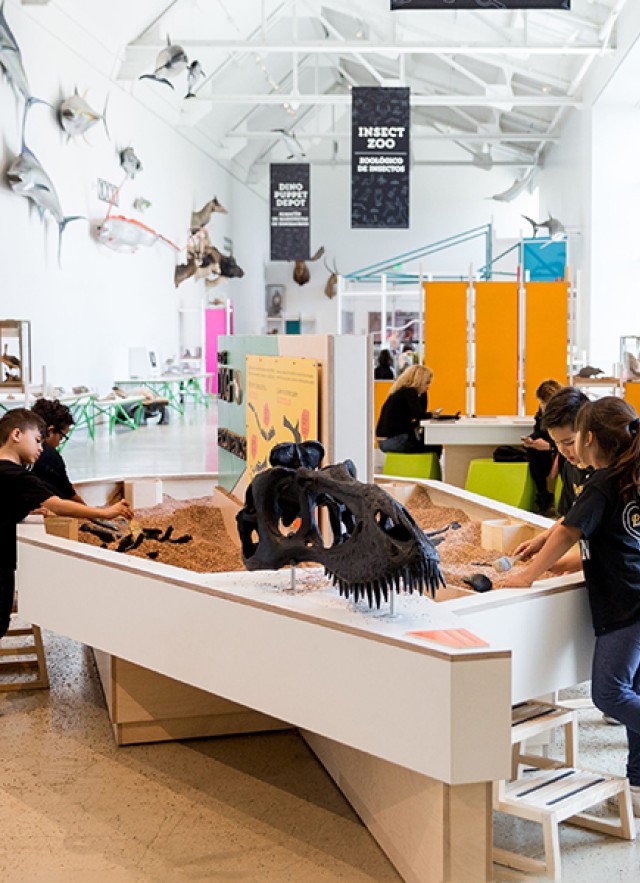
{"points": [[380, 157]]}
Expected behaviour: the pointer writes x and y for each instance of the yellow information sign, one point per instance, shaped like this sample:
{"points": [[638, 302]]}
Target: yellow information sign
{"points": [[282, 406]]}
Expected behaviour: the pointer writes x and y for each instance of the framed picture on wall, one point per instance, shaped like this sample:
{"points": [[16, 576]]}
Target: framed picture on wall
{"points": [[275, 301]]}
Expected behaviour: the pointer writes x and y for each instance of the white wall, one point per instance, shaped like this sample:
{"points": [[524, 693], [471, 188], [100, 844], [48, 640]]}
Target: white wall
{"points": [[445, 200], [615, 257], [250, 233], [87, 311], [565, 192], [590, 181]]}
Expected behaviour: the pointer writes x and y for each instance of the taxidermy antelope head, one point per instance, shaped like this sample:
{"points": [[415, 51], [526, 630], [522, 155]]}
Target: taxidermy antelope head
{"points": [[301, 273], [331, 288]]}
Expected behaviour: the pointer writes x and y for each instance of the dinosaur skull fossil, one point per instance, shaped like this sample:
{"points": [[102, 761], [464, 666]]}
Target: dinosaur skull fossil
{"points": [[377, 547]]}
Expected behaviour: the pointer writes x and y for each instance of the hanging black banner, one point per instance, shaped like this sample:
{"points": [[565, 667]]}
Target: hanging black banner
{"points": [[480, 4], [289, 211], [380, 121]]}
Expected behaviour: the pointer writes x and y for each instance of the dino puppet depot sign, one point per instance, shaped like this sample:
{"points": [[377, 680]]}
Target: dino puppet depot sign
{"points": [[480, 4], [290, 232], [380, 157], [282, 406]]}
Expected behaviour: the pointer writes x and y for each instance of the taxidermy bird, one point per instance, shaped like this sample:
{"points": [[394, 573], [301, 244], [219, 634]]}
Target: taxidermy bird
{"points": [[194, 73], [8, 360], [291, 143], [554, 227], [171, 61]]}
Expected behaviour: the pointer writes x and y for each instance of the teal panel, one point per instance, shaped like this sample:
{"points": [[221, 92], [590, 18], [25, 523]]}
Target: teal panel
{"points": [[545, 259], [231, 415], [292, 326]]}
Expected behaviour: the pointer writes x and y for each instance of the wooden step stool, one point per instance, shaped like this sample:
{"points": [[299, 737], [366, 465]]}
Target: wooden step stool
{"points": [[557, 795], [531, 719], [26, 658]]}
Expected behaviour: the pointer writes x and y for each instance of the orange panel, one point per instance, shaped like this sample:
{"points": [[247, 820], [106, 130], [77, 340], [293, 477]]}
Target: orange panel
{"points": [[632, 395], [380, 393], [545, 337], [496, 348], [445, 344]]}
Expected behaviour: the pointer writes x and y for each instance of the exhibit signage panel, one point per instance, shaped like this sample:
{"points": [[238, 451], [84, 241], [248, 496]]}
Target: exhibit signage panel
{"points": [[290, 232], [282, 406], [380, 123], [480, 4]]}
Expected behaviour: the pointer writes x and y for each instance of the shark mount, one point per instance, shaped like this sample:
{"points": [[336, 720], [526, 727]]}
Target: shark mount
{"points": [[377, 548]]}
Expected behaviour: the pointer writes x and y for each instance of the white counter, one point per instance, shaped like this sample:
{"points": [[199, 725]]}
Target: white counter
{"points": [[370, 698], [471, 437]]}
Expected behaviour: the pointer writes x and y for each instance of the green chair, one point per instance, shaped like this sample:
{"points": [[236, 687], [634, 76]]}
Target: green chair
{"points": [[509, 483], [412, 465], [557, 491]]}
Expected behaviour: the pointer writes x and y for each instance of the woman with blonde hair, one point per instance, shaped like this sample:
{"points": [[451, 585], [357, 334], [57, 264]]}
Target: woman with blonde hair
{"points": [[398, 427]]}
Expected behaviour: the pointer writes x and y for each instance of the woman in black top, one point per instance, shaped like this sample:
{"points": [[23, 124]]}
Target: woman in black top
{"points": [[384, 369], [605, 519], [399, 422]]}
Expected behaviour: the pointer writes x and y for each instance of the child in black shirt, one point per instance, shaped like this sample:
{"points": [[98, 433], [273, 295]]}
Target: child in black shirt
{"points": [[21, 438], [606, 520], [50, 468], [559, 420], [539, 448]]}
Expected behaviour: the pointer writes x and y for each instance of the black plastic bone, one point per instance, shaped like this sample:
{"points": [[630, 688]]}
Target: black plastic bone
{"points": [[377, 547], [478, 582], [454, 525], [105, 535]]}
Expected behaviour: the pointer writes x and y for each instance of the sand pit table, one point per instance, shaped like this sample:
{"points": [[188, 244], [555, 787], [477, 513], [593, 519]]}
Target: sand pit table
{"points": [[412, 730]]}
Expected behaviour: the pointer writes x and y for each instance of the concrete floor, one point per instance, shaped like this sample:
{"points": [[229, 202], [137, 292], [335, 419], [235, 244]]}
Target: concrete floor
{"points": [[74, 807]]}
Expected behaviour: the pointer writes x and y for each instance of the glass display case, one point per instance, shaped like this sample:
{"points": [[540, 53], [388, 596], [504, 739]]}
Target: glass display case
{"points": [[630, 357], [15, 353]]}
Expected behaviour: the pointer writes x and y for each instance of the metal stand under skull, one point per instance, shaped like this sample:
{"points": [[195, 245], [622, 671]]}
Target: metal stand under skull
{"points": [[377, 549]]}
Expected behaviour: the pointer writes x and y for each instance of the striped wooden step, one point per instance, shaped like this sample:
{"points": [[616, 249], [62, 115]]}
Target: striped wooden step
{"points": [[553, 796], [534, 718], [26, 658]]}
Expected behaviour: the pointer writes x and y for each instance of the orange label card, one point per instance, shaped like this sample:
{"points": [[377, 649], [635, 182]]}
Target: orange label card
{"points": [[457, 638]]}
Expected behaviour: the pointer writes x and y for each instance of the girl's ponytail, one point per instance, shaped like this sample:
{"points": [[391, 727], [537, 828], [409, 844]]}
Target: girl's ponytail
{"points": [[616, 428]]}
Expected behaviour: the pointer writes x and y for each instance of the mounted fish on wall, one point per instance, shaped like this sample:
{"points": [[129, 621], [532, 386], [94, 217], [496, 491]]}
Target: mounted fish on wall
{"points": [[27, 178], [11, 59], [130, 162], [126, 235], [76, 117], [171, 62]]}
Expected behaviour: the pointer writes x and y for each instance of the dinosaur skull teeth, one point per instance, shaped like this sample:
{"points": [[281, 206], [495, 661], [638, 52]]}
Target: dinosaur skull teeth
{"points": [[377, 548]]}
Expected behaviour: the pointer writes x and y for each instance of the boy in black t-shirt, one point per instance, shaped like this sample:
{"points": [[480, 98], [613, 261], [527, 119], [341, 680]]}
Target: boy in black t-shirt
{"points": [[50, 468], [21, 439], [559, 420]]}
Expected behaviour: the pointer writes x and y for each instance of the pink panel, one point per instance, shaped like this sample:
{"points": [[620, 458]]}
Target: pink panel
{"points": [[215, 325]]}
